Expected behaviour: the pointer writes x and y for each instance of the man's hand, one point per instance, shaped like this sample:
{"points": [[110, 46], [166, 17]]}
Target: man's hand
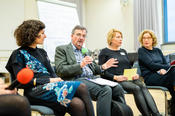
{"points": [[110, 63], [86, 60], [120, 78], [52, 80]]}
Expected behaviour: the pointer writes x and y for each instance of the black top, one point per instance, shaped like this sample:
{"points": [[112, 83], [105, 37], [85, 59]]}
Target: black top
{"points": [[122, 57], [150, 61], [17, 62]]}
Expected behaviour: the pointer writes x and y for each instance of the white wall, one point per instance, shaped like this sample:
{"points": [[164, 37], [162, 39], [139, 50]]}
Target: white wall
{"points": [[99, 16], [11, 16], [103, 15], [160, 14], [13, 12], [168, 48], [30, 9]]}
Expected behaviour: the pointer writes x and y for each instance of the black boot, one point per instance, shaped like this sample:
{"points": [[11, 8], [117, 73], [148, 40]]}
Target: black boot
{"points": [[156, 114], [120, 109], [171, 107]]}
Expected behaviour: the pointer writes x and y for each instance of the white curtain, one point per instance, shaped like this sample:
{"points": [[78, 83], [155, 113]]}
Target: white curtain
{"points": [[145, 17], [79, 8]]}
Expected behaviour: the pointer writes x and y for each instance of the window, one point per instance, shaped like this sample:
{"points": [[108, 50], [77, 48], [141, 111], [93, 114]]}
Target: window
{"points": [[169, 21], [59, 18]]}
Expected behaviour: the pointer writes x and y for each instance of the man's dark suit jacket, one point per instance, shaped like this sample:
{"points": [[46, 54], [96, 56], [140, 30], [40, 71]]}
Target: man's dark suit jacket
{"points": [[66, 65]]}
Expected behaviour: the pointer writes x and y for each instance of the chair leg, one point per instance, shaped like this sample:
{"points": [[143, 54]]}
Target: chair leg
{"points": [[166, 104]]}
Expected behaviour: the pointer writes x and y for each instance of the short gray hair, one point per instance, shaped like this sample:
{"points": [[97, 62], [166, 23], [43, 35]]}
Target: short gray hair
{"points": [[78, 27]]}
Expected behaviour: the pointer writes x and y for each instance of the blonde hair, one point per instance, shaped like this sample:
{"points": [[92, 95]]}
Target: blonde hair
{"points": [[111, 34], [152, 35]]}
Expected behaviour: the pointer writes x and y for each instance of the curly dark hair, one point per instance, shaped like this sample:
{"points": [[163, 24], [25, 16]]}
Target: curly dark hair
{"points": [[27, 32]]}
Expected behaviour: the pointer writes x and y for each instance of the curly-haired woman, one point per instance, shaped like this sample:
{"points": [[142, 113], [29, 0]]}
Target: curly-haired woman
{"points": [[46, 88], [153, 65]]}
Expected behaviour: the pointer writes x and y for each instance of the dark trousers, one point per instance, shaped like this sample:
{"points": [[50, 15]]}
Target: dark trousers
{"points": [[167, 80], [144, 101], [103, 95]]}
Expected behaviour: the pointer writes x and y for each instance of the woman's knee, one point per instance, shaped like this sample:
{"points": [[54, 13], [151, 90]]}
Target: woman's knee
{"points": [[77, 103], [19, 99], [136, 89], [118, 88], [83, 86], [82, 89]]}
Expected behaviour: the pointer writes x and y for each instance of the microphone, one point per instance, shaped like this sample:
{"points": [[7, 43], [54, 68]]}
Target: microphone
{"points": [[24, 76], [84, 51]]}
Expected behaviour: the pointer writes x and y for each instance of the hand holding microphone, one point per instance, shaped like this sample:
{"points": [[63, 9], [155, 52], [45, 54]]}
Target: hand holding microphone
{"points": [[24, 76], [87, 59]]}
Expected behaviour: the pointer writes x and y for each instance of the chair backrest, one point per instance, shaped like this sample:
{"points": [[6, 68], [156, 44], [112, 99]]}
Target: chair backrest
{"points": [[133, 57], [170, 57], [43, 110], [136, 65]]}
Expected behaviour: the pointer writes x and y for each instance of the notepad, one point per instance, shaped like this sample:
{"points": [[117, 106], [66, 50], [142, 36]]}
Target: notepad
{"points": [[102, 81], [130, 73]]}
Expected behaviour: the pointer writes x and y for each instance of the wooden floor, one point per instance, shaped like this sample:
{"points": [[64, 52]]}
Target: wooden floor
{"points": [[158, 96]]}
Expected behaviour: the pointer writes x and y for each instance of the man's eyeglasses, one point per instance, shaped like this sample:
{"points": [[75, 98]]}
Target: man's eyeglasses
{"points": [[80, 35]]}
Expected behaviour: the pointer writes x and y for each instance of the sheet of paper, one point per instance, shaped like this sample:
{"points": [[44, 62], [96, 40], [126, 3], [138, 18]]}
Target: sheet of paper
{"points": [[102, 81], [171, 67], [130, 73]]}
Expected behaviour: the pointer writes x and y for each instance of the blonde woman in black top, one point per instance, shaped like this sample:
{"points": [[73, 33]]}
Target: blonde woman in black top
{"points": [[143, 98]]}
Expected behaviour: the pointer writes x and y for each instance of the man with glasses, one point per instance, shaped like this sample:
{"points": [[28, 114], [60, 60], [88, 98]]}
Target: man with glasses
{"points": [[71, 64]]}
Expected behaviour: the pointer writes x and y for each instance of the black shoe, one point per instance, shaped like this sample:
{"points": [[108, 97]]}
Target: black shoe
{"points": [[156, 114], [171, 107]]}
